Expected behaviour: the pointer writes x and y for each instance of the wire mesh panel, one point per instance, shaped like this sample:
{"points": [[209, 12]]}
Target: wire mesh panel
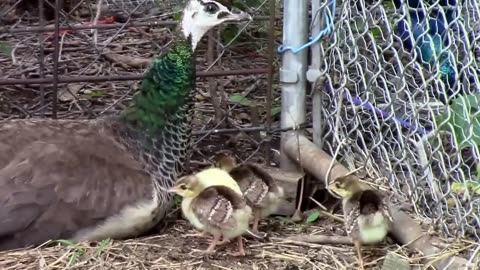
{"points": [[400, 97], [100, 57], [130, 5]]}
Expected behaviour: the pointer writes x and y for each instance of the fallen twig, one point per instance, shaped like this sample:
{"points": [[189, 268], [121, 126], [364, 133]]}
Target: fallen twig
{"points": [[128, 61], [322, 239]]}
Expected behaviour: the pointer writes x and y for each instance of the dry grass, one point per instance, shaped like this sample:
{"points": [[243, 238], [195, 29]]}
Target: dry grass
{"points": [[169, 246], [171, 249]]}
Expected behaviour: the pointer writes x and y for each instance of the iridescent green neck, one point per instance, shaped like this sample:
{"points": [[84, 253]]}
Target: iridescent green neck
{"points": [[165, 91]]}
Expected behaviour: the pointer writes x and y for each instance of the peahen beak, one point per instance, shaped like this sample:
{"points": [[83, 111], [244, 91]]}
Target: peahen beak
{"points": [[236, 17]]}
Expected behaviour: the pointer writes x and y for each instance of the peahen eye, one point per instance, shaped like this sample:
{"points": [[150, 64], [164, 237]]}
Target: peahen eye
{"points": [[211, 8]]}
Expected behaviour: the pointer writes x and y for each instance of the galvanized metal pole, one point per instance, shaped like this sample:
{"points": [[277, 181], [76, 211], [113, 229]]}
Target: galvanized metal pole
{"points": [[313, 75], [293, 71]]}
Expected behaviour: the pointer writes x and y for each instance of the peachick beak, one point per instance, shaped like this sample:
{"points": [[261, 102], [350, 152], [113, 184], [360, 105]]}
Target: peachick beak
{"points": [[239, 17], [172, 190], [333, 193]]}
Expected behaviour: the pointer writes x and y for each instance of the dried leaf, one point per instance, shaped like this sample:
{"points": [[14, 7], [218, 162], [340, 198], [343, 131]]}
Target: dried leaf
{"points": [[239, 99], [70, 93]]}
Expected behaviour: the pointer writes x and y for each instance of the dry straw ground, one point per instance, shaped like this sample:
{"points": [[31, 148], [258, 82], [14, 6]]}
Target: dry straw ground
{"points": [[172, 249]]}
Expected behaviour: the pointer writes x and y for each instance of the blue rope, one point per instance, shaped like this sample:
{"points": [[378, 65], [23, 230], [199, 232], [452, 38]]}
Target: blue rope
{"points": [[329, 17], [383, 114]]}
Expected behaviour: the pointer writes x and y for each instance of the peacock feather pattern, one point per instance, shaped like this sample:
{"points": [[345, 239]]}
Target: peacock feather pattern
{"points": [[157, 125], [88, 180], [427, 34]]}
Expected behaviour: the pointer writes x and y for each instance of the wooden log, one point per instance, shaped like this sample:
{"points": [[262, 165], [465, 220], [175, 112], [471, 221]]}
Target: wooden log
{"points": [[394, 261], [312, 159], [289, 181], [405, 230]]}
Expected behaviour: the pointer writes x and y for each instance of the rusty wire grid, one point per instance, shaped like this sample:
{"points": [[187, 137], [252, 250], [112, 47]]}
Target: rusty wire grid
{"points": [[384, 108], [105, 46]]}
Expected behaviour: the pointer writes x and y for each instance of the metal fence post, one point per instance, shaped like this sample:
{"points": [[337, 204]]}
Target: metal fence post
{"points": [[293, 71], [313, 75]]}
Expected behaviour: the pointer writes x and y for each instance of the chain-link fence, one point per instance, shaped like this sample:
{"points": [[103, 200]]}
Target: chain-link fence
{"points": [[400, 98]]}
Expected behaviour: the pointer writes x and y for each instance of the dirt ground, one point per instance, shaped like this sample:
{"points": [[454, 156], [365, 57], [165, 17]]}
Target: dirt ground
{"points": [[170, 247]]}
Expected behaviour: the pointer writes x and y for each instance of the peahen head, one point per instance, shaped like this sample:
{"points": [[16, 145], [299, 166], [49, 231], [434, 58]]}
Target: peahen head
{"points": [[200, 16]]}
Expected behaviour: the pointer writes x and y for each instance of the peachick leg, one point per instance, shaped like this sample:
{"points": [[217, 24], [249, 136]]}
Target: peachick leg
{"points": [[224, 241], [241, 250], [213, 244], [359, 253], [256, 220]]}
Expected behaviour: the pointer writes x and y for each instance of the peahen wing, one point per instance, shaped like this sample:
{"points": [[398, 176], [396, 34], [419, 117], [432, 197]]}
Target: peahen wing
{"points": [[62, 177]]}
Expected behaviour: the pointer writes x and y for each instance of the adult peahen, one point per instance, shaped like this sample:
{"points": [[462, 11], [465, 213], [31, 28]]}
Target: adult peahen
{"points": [[427, 34], [106, 178]]}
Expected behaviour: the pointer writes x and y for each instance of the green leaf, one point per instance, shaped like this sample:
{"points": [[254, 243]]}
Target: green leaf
{"points": [[6, 48], [229, 33], [78, 251], [102, 246], [472, 186], [177, 16], [239, 99], [65, 242], [462, 118], [284, 220], [275, 110], [376, 32], [450, 202], [313, 216], [74, 258], [389, 4], [97, 93], [457, 188]]}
